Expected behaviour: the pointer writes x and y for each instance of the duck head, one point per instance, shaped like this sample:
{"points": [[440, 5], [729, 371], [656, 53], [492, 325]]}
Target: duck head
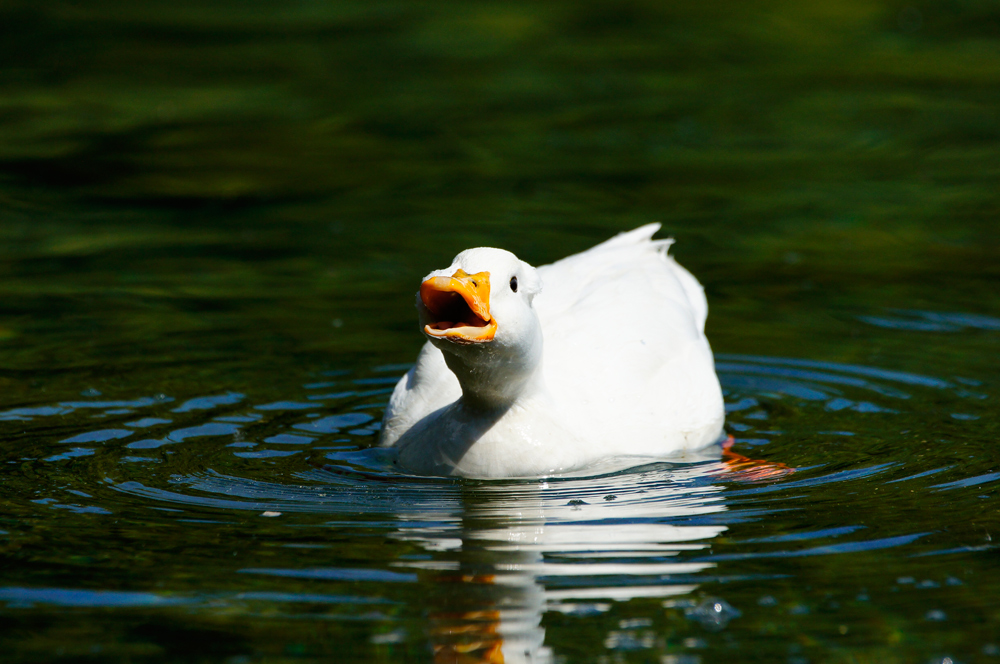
{"points": [[478, 311]]}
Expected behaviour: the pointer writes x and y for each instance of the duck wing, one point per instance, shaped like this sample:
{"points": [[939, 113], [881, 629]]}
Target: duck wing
{"points": [[625, 351]]}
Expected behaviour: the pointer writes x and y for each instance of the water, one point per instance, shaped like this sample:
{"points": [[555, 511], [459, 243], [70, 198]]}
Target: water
{"points": [[214, 220]]}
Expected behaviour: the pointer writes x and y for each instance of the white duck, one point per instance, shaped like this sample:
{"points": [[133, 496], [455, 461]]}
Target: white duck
{"points": [[626, 369]]}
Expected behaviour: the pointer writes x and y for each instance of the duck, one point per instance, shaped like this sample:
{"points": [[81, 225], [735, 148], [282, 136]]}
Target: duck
{"points": [[533, 372]]}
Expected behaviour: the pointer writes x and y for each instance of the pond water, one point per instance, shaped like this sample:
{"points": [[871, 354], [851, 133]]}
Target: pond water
{"points": [[212, 223]]}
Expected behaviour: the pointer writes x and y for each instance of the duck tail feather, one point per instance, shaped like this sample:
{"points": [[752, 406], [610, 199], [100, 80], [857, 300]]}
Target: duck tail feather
{"points": [[663, 246], [634, 236]]}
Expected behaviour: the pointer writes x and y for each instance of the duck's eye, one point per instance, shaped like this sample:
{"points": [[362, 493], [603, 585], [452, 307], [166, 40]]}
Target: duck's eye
{"points": [[513, 284]]}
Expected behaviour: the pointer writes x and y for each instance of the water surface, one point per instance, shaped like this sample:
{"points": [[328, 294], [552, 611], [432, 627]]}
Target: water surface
{"points": [[214, 220]]}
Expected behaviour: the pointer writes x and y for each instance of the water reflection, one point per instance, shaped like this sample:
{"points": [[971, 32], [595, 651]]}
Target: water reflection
{"points": [[571, 546], [932, 321], [483, 570]]}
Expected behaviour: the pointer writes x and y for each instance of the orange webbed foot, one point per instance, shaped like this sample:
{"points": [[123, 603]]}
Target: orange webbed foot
{"points": [[744, 469]]}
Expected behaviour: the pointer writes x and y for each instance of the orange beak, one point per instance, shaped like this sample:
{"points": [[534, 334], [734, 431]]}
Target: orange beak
{"points": [[460, 307]]}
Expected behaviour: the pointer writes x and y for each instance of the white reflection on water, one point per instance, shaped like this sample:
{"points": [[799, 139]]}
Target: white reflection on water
{"points": [[571, 546], [489, 559]]}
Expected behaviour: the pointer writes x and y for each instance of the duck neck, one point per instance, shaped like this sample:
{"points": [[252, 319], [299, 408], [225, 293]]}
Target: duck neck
{"points": [[496, 385]]}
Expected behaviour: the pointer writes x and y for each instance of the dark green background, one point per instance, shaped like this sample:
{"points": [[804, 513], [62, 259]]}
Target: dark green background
{"points": [[198, 198]]}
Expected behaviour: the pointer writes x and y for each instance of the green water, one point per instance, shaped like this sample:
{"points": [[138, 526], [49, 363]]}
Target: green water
{"points": [[213, 219]]}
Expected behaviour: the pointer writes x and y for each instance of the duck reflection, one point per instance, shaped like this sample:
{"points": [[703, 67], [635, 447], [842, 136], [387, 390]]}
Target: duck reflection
{"points": [[518, 550]]}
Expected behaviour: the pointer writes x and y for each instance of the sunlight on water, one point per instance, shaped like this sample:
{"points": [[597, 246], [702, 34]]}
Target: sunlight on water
{"points": [[497, 557], [213, 219]]}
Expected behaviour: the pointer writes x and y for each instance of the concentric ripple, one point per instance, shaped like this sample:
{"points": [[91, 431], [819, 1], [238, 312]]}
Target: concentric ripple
{"points": [[293, 514]]}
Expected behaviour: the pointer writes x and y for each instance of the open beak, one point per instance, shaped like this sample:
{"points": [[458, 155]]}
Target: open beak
{"points": [[459, 307]]}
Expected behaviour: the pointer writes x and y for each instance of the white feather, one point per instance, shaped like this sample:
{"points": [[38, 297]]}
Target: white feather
{"points": [[625, 368]]}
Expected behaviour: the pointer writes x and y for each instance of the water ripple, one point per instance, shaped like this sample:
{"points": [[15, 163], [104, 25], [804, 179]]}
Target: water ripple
{"points": [[804, 469]]}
